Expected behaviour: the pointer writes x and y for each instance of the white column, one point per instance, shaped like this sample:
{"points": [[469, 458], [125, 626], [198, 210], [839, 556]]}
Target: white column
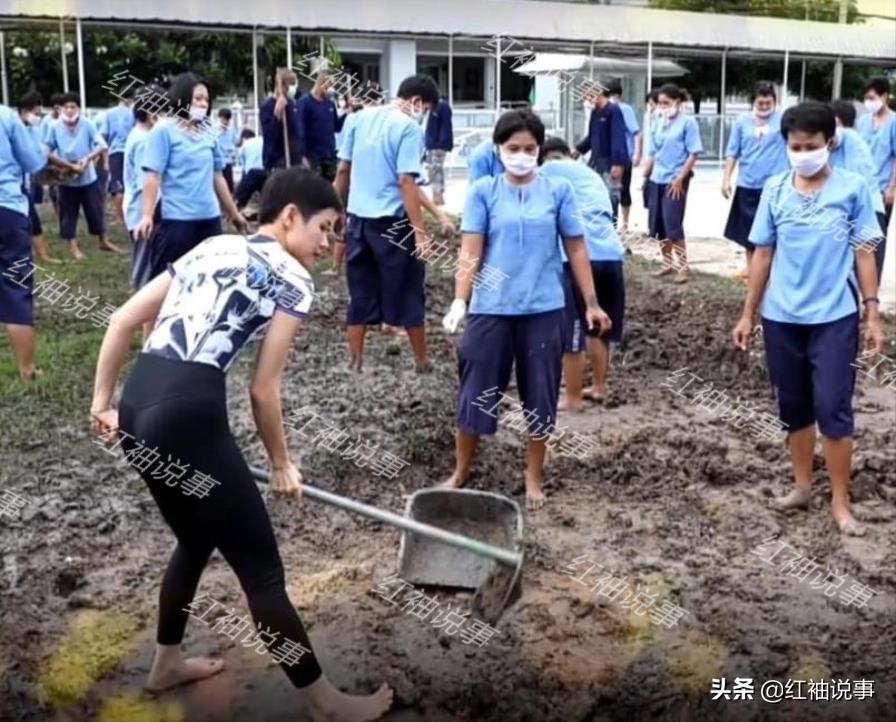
{"points": [[321, 46], [722, 105], [451, 70], [82, 88], [647, 117], [3, 69], [803, 82], [591, 61], [288, 47], [64, 58], [255, 79], [498, 79], [402, 62], [837, 85], [786, 71]]}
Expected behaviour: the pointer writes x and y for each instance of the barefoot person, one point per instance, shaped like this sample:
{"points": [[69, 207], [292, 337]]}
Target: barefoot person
{"points": [[605, 252], [811, 230], [29, 113], [510, 225], [211, 303]]}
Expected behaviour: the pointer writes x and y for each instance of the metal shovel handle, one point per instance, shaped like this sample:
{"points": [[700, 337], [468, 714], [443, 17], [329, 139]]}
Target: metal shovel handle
{"points": [[504, 556]]}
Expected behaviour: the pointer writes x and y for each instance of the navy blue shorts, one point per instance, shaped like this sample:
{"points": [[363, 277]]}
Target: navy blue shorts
{"points": [[741, 215], [116, 173], [71, 200], [141, 260], [489, 346], [665, 215], [102, 177], [37, 228], [645, 193], [37, 192], [385, 280], [172, 239], [609, 283], [810, 367], [16, 269]]}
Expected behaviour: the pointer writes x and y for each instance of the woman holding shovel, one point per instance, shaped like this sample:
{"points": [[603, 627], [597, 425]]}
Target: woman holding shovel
{"points": [[212, 302]]}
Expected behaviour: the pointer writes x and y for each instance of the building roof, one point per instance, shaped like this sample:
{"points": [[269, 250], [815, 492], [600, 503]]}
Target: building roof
{"points": [[547, 63], [531, 20]]}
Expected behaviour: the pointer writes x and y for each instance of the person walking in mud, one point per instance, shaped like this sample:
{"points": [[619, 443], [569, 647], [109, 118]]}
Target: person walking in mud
{"points": [[814, 225], [511, 223], [216, 298]]}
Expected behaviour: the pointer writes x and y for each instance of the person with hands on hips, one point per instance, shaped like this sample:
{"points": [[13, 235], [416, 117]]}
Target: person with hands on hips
{"points": [[511, 223]]}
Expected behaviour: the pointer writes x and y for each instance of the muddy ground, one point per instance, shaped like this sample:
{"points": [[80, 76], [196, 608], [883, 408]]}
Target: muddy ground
{"points": [[672, 499]]}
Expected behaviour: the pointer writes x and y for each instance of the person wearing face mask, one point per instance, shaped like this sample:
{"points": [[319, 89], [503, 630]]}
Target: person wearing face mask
{"points": [[320, 122], [183, 162], [209, 305], [46, 124], [511, 223], [76, 143], [378, 170], [439, 142], [878, 130], [29, 113], [227, 140], [673, 147], [849, 151], [652, 116], [634, 146], [280, 121], [115, 125], [757, 149], [812, 233]]}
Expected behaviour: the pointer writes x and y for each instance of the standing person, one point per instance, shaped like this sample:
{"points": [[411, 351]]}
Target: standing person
{"points": [[484, 162], [76, 144], [803, 272], [280, 122], [606, 143], [320, 122], [115, 126], [439, 141], [849, 151], [378, 170], [758, 149], [183, 161], [19, 155], [45, 124], [227, 141], [878, 129], [250, 159], [634, 142], [29, 114], [674, 145], [652, 116], [605, 252], [175, 400], [511, 222]]}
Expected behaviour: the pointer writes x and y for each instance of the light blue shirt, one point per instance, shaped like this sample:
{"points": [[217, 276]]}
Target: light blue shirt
{"points": [[759, 148], [350, 119], [882, 142], [74, 143], [521, 225], [132, 174], [19, 154], [484, 161], [187, 164], [671, 144], [853, 154], [631, 126], [227, 141], [115, 125], [595, 208], [251, 153], [45, 124], [382, 144], [811, 278]]}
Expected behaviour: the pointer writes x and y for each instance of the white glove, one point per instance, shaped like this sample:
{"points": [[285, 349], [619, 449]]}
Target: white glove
{"points": [[455, 315]]}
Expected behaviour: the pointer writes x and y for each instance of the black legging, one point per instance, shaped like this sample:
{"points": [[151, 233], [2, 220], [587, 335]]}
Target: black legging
{"points": [[179, 408]]}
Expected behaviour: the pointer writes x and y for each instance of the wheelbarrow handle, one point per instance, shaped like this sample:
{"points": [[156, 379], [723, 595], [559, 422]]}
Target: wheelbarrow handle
{"points": [[428, 531]]}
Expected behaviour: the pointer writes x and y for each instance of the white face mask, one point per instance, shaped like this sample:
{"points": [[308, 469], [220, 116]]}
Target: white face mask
{"points": [[71, 117], [657, 113], [670, 113], [807, 163], [764, 113], [519, 164], [33, 119], [416, 111], [838, 136], [197, 113], [874, 106]]}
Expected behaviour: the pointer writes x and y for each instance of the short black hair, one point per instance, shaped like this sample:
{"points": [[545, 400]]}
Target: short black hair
{"points": [[30, 100], [554, 144], [844, 111], [225, 113], [614, 87], [421, 85], [763, 88], [70, 98], [247, 133], [653, 95], [671, 90], [56, 99], [309, 192], [809, 117], [127, 93], [878, 85], [513, 121], [180, 94], [150, 91]]}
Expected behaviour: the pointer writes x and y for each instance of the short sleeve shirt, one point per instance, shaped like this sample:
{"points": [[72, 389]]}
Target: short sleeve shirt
{"points": [[759, 148]]}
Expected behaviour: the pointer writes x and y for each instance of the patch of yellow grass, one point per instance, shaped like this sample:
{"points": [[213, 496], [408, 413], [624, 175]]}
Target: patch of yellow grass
{"points": [[694, 660], [133, 709], [95, 643], [809, 667]]}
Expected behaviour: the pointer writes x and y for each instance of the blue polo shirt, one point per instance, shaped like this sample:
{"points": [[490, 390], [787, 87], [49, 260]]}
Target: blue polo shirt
{"points": [[632, 128], [320, 123], [595, 208], [882, 142], [19, 154], [852, 153], [74, 143], [272, 131], [115, 125], [606, 136], [671, 144], [439, 129], [132, 176], [811, 278], [186, 164], [45, 124], [381, 144], [484, 161], [251, 153], [759, 148], [521, 225], [227, 142]]}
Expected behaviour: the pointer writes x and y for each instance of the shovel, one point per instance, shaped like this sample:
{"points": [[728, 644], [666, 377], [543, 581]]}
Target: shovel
{"points": [[435, 556]]}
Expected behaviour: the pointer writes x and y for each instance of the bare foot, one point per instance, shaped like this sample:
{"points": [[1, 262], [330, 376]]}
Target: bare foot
{"points": [[455, 481], [424, 367], [594, 394], [847, 523], [575, 407], [535, 498], [76, 253], [50, 260], [185, 671], [335, 706], [31, 374], [683, 276], [110, 247], [798, 498], [665, 271]]}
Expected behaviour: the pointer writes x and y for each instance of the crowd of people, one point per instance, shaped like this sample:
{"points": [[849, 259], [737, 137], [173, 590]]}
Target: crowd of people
{"points": [[548, 221]]}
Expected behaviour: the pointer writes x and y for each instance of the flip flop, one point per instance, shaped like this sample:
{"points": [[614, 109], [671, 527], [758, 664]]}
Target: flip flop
{"points": [[591, 396]]}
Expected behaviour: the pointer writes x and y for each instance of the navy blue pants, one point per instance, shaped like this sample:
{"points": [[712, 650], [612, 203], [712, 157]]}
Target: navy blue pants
{"points": [[16, 269], [250, 183], [740, 217], [385, 279], [74, 198], [175, 238], [37, 228], [609, 284], [489, 348], [116, 174], [665, 215], [810, 367]]}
